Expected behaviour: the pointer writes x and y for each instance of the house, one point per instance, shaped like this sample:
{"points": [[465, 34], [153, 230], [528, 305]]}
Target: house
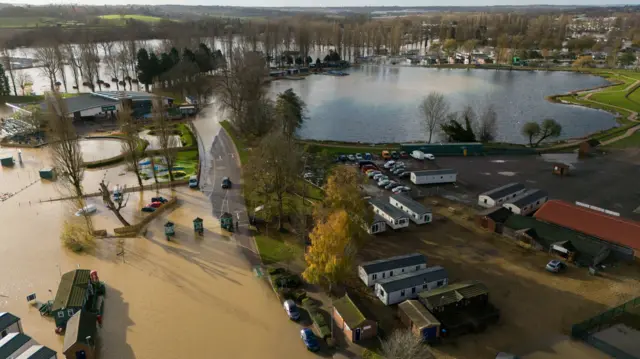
{"points": [[80, 336], [497, 196], [418, 213], [407, 286], [372, 272], [434, 176], [74, 291], [615, 230], [418, 319], [9, 323], [493, 219], [394, 217], [378, 225], [351, 321], [528, 202], [15, 344], [38, 352]]}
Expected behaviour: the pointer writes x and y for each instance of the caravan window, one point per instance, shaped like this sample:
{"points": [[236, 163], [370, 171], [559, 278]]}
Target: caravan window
{"points": [[375, 276], [402, 293], [417, 267]]}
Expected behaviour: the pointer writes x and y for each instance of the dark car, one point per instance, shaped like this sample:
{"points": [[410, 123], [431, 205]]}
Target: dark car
{"points": [[395, 155], [309, 339], [226, 182], [342, 158], [367, 156], [403, 154], [365, 163]]}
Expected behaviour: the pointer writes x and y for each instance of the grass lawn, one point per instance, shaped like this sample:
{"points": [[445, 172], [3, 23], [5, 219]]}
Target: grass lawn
{"points": [[186, 136], [122, 18], [241, 146], [28, 21], [187, 155], [628, 142], [616, 99], [278, 247]]}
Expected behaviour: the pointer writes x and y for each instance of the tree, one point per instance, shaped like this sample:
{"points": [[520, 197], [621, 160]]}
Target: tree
{"points": [[627, 58], [331, 252], [584, 61], [49, 66], [459, 128], [450, 46], [5, 54], [72, 59], [486, 127], [116, 206], [132, 145], [403, 344], [165, 133], [549, 129], [531, 130], [23, 80], [434, 108], [4, 83], [89, 65], [290, 109]]}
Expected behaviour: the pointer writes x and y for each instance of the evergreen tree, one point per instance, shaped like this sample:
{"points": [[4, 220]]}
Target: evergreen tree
{"points": [[4, 83]]}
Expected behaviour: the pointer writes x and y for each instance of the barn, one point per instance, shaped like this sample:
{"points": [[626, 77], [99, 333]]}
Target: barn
{"points": [[528, 202], [418, 213], [372, 272], [407, 286], [418, 319], [497, 196]]}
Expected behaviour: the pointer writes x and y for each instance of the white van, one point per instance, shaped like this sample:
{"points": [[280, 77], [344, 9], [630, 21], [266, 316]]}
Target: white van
{"points": [[418, 155]]}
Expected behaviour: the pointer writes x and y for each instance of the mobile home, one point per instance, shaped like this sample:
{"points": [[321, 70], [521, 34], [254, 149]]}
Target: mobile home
{"points": [[15, 344], [377, 225], [374, 271], [394, 217], [500, 195], [418, 213], [434, 176], [407, 286], [528, 202], [38, 352], [9, 323]]}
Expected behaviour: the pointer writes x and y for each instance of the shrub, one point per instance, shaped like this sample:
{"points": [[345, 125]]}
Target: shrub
{"points": [[318, 318], [76, 237], [299, 295], [325, 332], [308, 304], [274, 271]]}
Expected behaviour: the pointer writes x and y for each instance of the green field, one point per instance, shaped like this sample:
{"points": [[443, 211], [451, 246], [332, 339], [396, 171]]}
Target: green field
{"points": [[123, 18], [627, 142]]}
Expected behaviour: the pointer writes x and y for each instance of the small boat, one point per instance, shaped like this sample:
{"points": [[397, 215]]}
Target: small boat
{"points": [[88, 209]]}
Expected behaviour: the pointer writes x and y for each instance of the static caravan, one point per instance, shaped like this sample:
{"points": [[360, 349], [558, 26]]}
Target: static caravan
{"points": [[418, 213], [374, 271], [15, 344], [408, 286], [434, 176], [527, 202], [9, 323], [378, 225], [394, 217], [38, 352], [500, 195]]}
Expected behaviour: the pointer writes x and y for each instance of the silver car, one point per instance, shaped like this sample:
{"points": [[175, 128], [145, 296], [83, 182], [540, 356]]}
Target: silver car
{"points": [[391, 185]]}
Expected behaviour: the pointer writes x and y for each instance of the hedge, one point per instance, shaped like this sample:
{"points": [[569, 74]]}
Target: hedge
{"points": [[320, 323]]}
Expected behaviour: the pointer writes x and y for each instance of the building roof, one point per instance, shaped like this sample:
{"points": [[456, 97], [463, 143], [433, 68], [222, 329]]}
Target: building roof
{"points": [[413, 279], [72, 289], [377, 218], [386, 264], [419, 315], [11, 343], [503, 191], [452, 293], [414, 206], [79, 327], [37, 352], [349, 311], [528, 197], [446, 171], [600, 225], [387, 208], [124, 95], [498, 214], [7, 319]]}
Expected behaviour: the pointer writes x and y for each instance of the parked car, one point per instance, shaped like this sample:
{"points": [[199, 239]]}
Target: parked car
{"points": [[399, 163], [148, 208], [88, 209], [368, 156], [418, 155], [429, 156], [389, 164], [342, 158], [156, 204], [404, 174], [395, 155], [398, 170], [368, 167], [401, 189], [383, 182], [359, 156], [291, 309], [404, 154], [193, 182], [369, 170], [391, 185], [377, 176], [556, 266], [373, 173], [159, 199], [351, 157], [226, 182], [386, 155], [309, 339]]}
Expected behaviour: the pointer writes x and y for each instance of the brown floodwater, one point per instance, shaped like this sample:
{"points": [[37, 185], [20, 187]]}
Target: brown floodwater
{"points": [[181, 299]]}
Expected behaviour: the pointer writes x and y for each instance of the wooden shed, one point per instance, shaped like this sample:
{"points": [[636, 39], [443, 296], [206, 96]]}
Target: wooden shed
{"points": [[421, 323], [351, 321], [80, 336], [561, 169], [493, 219]]}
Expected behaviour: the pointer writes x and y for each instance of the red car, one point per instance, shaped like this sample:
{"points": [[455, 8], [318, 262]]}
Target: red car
{"points": [[155, 204], [368, 167], [403, 154]]}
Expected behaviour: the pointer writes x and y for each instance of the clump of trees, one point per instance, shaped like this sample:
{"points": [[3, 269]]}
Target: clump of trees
{"points": [[536, 133]]}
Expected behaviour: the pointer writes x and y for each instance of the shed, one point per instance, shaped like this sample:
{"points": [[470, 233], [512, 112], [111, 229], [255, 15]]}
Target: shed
{"points": [[407, 286], [394, 217], [461, 294], [497, 196], [47, 173], [528, 202], [73, 292], [560, 169], [493, 218], [38, 352], [434, 176], [6, 161], [9, 323], [421, 323], [80, 336], [418, 213], [372, 272], [587, 147], [15, 344], [351, 321], [377, 225]]}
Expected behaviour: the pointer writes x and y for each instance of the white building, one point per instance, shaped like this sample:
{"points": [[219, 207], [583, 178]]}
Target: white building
{"points": [[372, 272], [418, 213], [9, 323], [434, 176], [394, 217], [15, 344], [378, 225], [500, 195], [38, 352], [528, 202], [407, 286]]}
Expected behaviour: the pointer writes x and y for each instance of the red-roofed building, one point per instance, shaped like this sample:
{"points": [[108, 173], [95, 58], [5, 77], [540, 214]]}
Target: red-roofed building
{"points": [[608, 228]]}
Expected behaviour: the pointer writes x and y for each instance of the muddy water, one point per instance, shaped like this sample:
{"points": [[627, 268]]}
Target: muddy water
{"points": [[99, 149], [177, 299]]}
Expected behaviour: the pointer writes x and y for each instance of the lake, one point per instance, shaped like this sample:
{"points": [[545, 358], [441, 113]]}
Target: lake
{"points": [[378, 104]]}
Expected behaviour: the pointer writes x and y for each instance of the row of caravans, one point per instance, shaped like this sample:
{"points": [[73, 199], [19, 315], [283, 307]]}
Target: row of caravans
{"points": [[397, 212]]}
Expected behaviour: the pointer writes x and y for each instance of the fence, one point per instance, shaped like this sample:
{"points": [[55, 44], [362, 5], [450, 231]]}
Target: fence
{"points": [[133, 229]]}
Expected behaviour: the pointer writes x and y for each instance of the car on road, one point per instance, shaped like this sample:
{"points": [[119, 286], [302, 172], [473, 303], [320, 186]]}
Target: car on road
{"points": [[193, 182], [367, 156], [429, 156], [359, 156], [385, 155], [351, 157], [401, 189], [292, 309], [373, 173], [226, 182], [383, 182], [309, 339], [389, 164], [395, 155], [404, 154], [391, 185], [555, 266]]}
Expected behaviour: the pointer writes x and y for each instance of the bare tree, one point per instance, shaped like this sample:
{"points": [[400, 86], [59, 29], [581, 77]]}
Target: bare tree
{"points": [[434, 108], [5, 54], [122, 63], [132, 145], [74, 62], [403, 344], [112, 62], [89, 63], [165, 131], [49, 66], [60, 63], [116, 206], [486, 128], [23, 80]]}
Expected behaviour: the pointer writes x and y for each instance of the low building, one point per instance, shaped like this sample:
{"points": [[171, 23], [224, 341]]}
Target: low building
{"points": [[560, 169], [351, 321], [9, 323], [73, 293], [80, 336], [497, 196], [372, 272], [493, 219], [38, 352], [15, 344], [378, 225], [528, 202], [418, 213], [394, 217], [418, 319], [407, 286], [434, 176]]}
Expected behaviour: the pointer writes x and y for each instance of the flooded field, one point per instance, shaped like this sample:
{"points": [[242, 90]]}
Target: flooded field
{"points": [[177, 299], [100, 149]]}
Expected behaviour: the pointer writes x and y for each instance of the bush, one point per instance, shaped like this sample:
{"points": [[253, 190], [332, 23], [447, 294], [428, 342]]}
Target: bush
{"points": [[274, 271], [325, 332], [318, 318], [75, 236], [299, 295], [308, 304]]}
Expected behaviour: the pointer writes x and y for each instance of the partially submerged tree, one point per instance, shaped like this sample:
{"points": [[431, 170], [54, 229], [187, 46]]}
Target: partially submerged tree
{"points": [[434, 108], [89, 61], [23, 80], [403, 344], [459, 127], [5, 55], [165, 131], [132, 145], [115, 205], [290, 109], [487, 127], [49, 63]]}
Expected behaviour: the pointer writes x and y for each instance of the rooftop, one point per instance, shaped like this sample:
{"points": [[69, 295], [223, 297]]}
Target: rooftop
{"points": [[11, 343], [498, 214], [503, 191], [413, 279], [528, 197], [7, 319], [349, 311], [448, 171], [419, 315], [81, 326], [387, 208], [452, 293], [609, 228], [38, 352], [72, 289], [123, 95], [386, 264], [414, 206]]}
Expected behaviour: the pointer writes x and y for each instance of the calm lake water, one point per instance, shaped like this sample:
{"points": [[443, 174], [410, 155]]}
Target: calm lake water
{"points": [[380, 103]]}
